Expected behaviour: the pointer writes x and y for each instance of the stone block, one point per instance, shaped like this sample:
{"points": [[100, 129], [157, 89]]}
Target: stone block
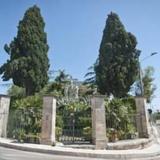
{"points": [[4, 113], [142, 117], [48, 121], [98, 122]]}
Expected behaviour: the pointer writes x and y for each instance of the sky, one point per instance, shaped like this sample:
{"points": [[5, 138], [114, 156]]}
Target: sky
{"points": [[74, 30]]}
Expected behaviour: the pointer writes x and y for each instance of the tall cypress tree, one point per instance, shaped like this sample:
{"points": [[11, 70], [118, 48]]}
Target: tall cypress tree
{"points": [[117, 64], [28, 63]]}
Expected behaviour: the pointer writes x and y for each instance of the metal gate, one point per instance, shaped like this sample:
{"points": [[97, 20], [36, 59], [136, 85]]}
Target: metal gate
{"points": [[25, 124], [75, 126], [122, 127]]}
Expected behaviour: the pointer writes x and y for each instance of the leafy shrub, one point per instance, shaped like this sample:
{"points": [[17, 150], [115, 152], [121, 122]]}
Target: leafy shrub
{"points": [[16, 92], [77, 113], [120, 117], [87, 132], [25, 117], [58, 132], [59, 121]]}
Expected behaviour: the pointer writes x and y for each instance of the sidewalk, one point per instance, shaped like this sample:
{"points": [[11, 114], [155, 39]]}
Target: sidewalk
{"points": [[151, 152], [119, 145]]}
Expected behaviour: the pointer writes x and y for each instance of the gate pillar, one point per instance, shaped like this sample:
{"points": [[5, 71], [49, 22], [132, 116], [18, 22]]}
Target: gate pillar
{"points": [[48, 121], [4, 112], [142, 117], [98, 122]]}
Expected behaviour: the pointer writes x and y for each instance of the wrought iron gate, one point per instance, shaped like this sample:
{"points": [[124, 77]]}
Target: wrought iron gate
{"points": [[75, 127], [25, 124]]}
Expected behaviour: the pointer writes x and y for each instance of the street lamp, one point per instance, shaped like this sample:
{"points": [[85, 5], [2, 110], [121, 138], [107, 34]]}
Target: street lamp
{"points": [[140, 71]]}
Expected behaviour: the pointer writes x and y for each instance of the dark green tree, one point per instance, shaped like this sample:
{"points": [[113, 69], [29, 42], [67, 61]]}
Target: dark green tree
{"points": [[28, 63], [117, 64], [62, 77]]}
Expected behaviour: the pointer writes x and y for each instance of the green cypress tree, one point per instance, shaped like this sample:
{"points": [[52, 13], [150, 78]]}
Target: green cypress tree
{"points": [[117, 64], [28, 63]]}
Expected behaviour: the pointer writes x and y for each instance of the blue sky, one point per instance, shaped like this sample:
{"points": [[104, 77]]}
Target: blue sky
{"points": [[74, 29]]}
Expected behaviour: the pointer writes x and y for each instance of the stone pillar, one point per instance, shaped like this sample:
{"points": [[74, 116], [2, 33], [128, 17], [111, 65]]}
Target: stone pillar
{"points": [[48, 121], [142, 117], [4, 112], [98, 122]]}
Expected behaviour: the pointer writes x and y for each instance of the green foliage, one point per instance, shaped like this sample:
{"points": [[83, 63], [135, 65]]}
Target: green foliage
{"points": [[25, 117], [85, 90], [148, 86], [156, 116], [62, 77], [28, 102], [88, 87], [91, 76], [57, 87], [120, 118], [58, 132], [129, 102], [16, 92], [79, 111], [117, 64], [28, 63], [90, 81], [52, 88], [87, 132]]}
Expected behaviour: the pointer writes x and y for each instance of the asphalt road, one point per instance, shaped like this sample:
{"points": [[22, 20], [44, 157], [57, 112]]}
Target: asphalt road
{"points": [[11, 154]]}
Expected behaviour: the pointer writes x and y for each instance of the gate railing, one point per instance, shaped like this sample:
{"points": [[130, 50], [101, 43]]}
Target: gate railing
{"points": [[25, 124], [75, 127], [119, 128]]}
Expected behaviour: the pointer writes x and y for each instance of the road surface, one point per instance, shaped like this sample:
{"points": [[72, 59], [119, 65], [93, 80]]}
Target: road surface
{"points": [[11, 154]]}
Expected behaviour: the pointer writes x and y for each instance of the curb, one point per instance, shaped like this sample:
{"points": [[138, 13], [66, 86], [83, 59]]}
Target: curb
{"points": [[134, 145], [81, 153]]}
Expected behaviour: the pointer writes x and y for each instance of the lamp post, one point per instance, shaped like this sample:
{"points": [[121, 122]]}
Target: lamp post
{"points": [[140, 72]]}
